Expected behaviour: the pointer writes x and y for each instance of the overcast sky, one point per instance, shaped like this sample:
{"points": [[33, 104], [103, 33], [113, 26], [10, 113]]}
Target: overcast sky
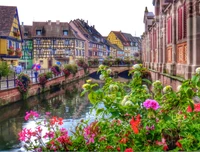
{"points": [[106, 15]]}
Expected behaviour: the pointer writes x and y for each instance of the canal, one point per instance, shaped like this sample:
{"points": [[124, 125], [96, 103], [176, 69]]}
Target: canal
{"points": [[64, 102]]}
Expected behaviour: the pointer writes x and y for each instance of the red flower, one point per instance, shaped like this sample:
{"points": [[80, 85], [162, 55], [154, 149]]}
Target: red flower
{"points": [[162, 143], [196, 108], [178, 144], [109, 147], [129, 150], [118, 149], [135, 124], [123, 140]]}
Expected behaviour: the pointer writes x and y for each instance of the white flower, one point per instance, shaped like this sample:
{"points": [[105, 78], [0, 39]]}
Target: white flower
{"points": [[157, 82], [101, 66], [167, 89], [136, 66], [109, 71], [198, 70], [101, 77], [128, 103], [113, 87], [179, 87]]}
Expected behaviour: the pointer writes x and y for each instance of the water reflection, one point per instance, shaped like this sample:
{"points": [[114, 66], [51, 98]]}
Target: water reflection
{"points": [[64, 102]]}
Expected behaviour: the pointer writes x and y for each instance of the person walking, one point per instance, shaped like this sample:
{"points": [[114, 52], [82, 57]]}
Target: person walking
{"points": [[18, 69]]}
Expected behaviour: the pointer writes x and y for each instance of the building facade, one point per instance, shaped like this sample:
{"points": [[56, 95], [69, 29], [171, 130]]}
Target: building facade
{"points": [[10, 35], [95, 46], [170, 41], [56, 43], [27, 47], [126, 42]]}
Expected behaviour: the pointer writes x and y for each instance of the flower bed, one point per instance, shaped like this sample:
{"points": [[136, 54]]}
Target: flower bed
{"points": [[23, 83], [133, 118]]}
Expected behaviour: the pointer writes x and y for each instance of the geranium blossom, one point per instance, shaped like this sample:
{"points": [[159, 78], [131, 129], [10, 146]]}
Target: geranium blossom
{"points": [[135, 124], [196, 108], [129, 150], [162, 143], [151, 104], [31, 114]]}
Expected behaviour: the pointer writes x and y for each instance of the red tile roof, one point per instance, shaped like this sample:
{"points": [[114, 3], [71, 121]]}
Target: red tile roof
{"points": [[6, 19]]}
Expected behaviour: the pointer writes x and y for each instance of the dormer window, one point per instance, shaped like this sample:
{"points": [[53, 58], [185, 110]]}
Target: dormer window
{"points": [[38, 32], [26, 34], [65, 32]]}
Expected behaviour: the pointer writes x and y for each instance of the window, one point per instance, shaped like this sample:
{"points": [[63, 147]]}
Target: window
{"points": [[182, 22], [65, 32], [66, 42], [38, 32], [41, 62], [38, 42], [82, 44], [25, 34], [79, 52]]}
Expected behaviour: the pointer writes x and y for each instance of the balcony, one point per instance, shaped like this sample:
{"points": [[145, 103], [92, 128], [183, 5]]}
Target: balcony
{"points": [[61, 57]]}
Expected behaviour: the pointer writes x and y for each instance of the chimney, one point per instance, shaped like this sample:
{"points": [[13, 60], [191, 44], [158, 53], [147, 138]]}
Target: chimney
{"points": [[57, 22], [87, 21], [22, 24], [146, 10], [94, 26], [49, 22]]}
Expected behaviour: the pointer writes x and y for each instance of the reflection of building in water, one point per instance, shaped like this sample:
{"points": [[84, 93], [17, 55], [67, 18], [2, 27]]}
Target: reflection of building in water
{"points": [[9, 133]]}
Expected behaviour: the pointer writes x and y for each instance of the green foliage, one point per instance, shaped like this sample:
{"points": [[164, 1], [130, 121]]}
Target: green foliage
{"points": [[131, 120], [4, 69]]}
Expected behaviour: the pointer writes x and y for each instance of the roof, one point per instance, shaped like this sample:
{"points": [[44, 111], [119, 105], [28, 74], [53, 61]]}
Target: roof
{"points": [[54, 29], [89, 32], [26, 29], [6, 19]]}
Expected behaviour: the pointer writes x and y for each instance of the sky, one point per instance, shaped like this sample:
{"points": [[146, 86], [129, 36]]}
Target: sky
{"points": [[105, 15]]}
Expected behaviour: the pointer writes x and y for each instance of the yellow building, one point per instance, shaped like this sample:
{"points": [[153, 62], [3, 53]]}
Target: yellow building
{"points": [[10, 35], [116, 38]]}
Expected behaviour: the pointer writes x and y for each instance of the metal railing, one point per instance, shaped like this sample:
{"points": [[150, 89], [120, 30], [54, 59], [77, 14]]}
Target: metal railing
{"points": [[9, 81]]}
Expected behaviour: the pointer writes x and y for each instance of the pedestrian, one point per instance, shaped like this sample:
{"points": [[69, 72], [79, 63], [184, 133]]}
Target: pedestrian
{"points": [[18, 69]]}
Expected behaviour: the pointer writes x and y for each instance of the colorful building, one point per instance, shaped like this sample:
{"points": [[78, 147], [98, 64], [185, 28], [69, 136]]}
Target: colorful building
{"points": [[27, 47], [10, 35], [126, 42], [55, 43], [171, 38], [94, 41]]}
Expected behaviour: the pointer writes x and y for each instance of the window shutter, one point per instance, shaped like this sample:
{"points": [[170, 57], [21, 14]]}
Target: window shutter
{"points": [[180, 23], [169, 30], [184, 22]]}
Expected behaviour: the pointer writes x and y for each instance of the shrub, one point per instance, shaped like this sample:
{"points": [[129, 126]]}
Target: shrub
{"points": [[130, 120]]}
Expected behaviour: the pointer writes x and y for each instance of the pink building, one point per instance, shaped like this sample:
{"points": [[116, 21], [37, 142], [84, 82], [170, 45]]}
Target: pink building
{"points": [[171, 41]]}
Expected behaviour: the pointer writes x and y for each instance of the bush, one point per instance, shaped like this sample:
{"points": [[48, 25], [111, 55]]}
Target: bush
{"points": [[132, 118]]}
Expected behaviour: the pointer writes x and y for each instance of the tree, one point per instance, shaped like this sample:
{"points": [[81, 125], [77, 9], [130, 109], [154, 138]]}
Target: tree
{"points": [[4, 70]]}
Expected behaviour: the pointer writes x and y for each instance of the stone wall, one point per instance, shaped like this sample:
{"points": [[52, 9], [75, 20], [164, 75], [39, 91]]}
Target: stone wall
{"points": [[13, 95], [166, 80]]}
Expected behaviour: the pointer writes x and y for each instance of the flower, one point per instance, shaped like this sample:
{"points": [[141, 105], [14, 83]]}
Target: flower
{"points": [[167, 89], [128, 150], [197, 70], [128, 103], [135, 124], [156, 83], [101, 67], [123, 140], [31, 114], [101, 77], [162, 143], [178, 144], [109, 71], [113, 87], [85, 86], [151, 104], [196, 108], [89, 81], [136, 66], [179, 87]]}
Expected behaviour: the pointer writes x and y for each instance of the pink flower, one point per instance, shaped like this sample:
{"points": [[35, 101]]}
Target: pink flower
{"points": [[49, 134], [162, 143], [151, 104], [31, 114], [129, 150]]}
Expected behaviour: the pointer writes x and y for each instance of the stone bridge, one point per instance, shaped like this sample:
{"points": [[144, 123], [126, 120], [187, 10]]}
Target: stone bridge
{"points": [[115, 69]]}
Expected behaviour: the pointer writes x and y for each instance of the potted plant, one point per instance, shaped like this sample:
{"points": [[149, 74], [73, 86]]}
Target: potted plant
{"points": [[56, 70], [11, 50], [18, 52], [43, 78]]}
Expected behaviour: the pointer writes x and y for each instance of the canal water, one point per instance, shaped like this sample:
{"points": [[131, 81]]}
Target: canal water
{"points": [[64, 102]]}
